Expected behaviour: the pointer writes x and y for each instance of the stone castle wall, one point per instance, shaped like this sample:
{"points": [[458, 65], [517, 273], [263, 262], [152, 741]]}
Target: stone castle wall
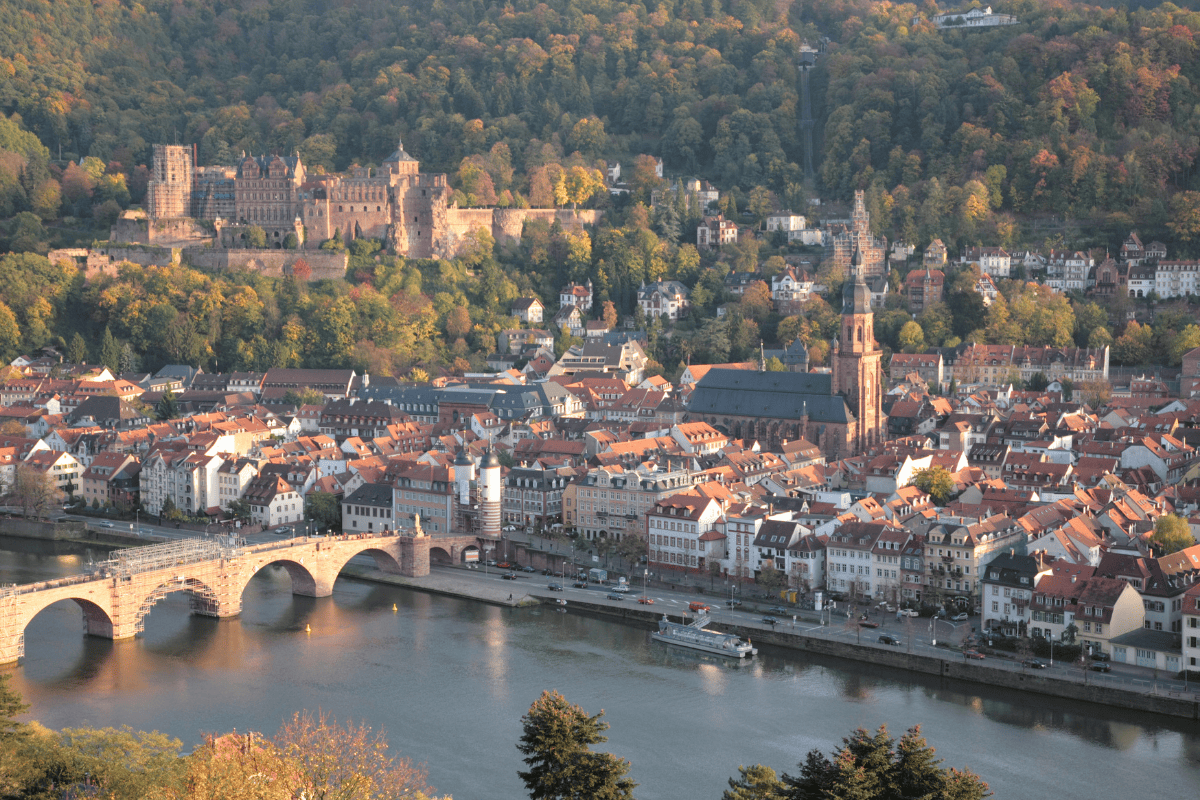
{"points": [[507, 224], [272, 263]]}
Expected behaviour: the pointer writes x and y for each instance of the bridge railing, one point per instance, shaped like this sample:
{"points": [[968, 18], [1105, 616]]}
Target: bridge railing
{"points": [[284, 544], [13, 589]]}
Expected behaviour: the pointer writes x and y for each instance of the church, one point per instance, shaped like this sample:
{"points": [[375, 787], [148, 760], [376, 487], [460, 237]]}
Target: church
{"points": [[840, 411]]}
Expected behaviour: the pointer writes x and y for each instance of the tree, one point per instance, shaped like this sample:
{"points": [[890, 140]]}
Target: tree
{"points": [[110, 351], [167, 407], [609, 315], [256, 237], [770, 578], [458, 323], [755, 783], [555, 741], [77, 351], [34, 491], [911, 338], [10, 334], [1172, 533], [756, 301], [937, 482], [1095, 393], [304, 397], [346, 762]]}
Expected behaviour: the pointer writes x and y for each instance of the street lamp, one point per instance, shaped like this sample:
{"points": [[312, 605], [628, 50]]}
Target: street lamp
{"points": [[645, 576]]}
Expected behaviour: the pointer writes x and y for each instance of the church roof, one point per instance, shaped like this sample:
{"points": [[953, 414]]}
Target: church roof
{"points": [[777, 395]]}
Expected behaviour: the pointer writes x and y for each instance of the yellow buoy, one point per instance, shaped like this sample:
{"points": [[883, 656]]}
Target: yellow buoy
{"points": [[308, 628], [394, 607]]}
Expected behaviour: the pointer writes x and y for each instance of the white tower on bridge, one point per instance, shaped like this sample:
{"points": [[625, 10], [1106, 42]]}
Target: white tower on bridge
{"points": [[490, 488]]}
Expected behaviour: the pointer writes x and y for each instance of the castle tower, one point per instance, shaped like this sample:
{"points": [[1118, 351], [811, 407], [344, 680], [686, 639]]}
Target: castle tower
{"points": [[490, 488], [857, 368], [172, 177]]}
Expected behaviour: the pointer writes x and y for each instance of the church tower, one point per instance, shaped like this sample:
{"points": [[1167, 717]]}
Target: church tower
{"points": [[857, 368]]}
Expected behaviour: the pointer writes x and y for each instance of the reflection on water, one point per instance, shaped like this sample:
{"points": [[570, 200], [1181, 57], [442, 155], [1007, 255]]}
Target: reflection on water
{"points": [[449, 680]]}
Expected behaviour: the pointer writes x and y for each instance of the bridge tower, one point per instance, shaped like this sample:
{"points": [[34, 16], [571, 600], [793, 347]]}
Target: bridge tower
{"points": [[464, 474], [490, 495]]}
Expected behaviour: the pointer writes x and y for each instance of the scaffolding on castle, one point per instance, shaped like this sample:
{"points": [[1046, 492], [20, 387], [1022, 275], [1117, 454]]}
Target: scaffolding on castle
{"points": [[169, 554]]}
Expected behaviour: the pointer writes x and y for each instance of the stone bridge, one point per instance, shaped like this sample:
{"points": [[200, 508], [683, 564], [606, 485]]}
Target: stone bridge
{"points": [[116, 595]]}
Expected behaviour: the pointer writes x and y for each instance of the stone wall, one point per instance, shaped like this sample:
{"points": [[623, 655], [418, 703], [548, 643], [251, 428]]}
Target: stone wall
{"points": [[146, 255], [34, 529], [507, 224], [272, 263]]}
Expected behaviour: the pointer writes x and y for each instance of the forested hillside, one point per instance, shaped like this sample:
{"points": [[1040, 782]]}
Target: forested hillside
{"points": [[987, 136], [1077, 110]]}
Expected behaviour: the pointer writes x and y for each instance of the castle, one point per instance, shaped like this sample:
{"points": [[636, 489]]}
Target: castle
{"points": [[409, 210]]}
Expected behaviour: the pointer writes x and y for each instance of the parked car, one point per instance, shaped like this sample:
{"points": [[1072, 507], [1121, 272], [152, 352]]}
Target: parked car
{"points": [[509, 576], [547, 572], [697, 607], [491, 562], [770, 620], [909, 612], [973, 654], [1034, 663], [1100, 657], [282, 530], [554, 587], [887, 638], [528, 569], [779, 610], [866, 623], [962, 616], [646, 601], [733, 603], [580, 584], [504, 565], [615, 596], [1101, 666]]}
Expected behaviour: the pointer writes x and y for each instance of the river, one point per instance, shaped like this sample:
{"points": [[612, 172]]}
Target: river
{"points": [[448, 680]]}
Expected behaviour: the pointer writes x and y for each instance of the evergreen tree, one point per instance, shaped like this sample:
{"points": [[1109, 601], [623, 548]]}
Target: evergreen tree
{"points": [[110, 351], [167, 408], [916, 773], [756, 783], [668, 222], [129, 359], [555, 745], [815, 775], [77, 352]]}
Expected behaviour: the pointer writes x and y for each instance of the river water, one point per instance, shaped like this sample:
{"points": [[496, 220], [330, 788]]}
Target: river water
{"points": [[448, 680]]}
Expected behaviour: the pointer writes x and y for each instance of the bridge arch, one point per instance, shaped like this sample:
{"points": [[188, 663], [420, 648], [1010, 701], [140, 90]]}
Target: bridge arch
{"points": [[440, 555], [201, 597], [97, 620], [384, 561], [303, 581]]}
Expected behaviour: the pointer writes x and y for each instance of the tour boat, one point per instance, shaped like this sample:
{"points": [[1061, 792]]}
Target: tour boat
{"points": [[695, 637]]}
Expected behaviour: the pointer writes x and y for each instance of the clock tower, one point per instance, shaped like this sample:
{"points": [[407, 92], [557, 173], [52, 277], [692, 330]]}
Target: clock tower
{"points": [[857, 370]]}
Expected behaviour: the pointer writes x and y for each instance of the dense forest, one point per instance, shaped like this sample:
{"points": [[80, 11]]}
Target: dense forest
{"points": [[1070, 128]]}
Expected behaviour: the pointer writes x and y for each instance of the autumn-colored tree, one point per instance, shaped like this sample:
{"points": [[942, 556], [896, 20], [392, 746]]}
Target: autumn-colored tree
{"points": [[458, 322], [301, 270], [609, 315], [1172, 533], [756, 301], [346, 762]]}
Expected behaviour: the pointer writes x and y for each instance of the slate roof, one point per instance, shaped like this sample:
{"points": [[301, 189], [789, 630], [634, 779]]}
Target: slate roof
{"points": [[776, 395]]}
